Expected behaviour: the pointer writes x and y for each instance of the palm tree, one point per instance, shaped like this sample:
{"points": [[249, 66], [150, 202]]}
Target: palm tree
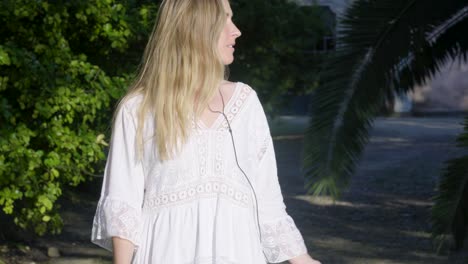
{"points": [[385, 47]]}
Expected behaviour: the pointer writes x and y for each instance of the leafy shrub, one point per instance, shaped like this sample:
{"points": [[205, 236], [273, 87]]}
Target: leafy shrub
{"points": [[55, 101]]}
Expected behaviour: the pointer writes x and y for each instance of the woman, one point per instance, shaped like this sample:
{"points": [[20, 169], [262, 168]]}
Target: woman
{"points": [[191, 172]]}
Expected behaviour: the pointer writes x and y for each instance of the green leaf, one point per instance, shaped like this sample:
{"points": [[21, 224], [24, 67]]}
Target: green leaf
{"points": [[55, 173], [450, 209], [4, 57], [46, 202]]}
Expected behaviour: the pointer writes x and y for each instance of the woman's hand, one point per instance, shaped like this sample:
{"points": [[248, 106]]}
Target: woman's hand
{"points": [[304, 259], [123, 250]]}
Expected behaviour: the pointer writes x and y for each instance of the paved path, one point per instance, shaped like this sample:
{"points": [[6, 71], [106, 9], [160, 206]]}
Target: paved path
{"points": [[382, 218]]}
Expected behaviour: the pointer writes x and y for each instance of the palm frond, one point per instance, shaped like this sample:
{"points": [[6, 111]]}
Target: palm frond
{"points": [[450, 210], [384, 46]]}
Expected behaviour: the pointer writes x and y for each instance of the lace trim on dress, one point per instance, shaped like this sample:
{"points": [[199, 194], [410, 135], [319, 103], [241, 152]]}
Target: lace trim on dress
{"points": [[236, 107], [232, 108], [206, 188], [281, 240], [115, 218]]}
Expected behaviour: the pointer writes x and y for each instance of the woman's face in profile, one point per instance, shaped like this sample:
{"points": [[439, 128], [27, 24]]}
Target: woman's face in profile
{"points": [[228, 37]]}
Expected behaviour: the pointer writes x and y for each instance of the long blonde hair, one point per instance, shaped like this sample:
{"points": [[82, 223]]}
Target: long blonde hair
{"points": [[181, 66]]}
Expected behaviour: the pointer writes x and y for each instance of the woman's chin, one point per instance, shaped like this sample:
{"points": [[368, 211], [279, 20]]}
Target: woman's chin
{"points": [[228, 61]]}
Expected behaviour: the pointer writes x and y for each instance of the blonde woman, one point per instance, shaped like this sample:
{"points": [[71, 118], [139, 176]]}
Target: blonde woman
{"points": [[191, 172]]}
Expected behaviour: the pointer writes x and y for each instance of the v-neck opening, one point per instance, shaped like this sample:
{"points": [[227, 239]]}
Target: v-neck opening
{"points": [[220, 117]]}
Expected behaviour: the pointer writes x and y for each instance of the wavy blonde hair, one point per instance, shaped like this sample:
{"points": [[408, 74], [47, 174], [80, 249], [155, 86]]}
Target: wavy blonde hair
{"points": [[181, 71]]}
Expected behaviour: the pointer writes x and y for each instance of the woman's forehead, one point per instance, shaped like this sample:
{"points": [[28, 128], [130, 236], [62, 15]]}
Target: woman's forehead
{"points": [[227, 7]]}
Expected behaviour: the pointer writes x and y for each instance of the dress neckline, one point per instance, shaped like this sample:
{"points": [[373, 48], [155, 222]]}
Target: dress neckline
{"points": [[220, 118]]}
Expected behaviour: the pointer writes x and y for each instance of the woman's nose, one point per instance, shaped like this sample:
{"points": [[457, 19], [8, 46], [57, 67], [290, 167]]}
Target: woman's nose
{"points": [[236, 32]]}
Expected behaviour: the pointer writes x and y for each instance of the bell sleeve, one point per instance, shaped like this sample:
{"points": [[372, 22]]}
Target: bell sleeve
{"points": [[118, 212], [281, 240]]}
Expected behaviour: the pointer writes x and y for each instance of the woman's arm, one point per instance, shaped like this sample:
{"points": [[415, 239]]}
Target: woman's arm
{"points": [[118, 212], [123, 250], [304, 259], [281, 239]]}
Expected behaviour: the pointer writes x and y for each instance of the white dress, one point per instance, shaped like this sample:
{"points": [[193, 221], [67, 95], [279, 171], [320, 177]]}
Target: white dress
{"points": [[198, 208]]}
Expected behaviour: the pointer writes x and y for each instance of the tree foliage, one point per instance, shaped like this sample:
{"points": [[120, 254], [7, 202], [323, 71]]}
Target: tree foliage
{"points": [[57, 89], [274, 52], [450, 210]]}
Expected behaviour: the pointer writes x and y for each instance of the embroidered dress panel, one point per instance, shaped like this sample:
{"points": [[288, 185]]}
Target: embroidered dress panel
{"points": [[197, 208], [213, 187]]}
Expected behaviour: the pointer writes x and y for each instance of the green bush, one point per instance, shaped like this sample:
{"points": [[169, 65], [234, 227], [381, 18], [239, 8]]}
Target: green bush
{"points": [[55, 101]]}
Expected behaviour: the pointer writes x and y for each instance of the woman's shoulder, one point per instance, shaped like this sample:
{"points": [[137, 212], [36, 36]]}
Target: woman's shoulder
{"points": [[248, 93], [132, 101], [129, 105], [244, 90], [233, 85]]}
